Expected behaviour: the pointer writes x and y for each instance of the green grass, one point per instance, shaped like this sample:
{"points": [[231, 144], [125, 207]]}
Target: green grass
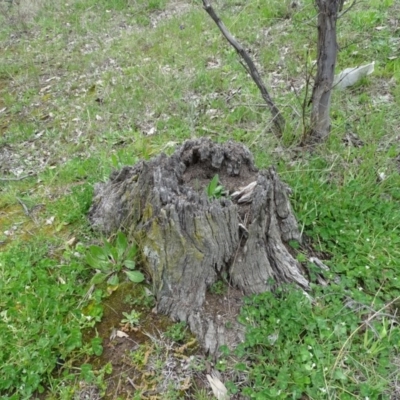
{"points": [[89, 86], [300, 349], [40, 318]]}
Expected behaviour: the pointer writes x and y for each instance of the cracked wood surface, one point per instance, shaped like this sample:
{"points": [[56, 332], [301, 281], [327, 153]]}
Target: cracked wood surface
{"points": [[189, 241]]}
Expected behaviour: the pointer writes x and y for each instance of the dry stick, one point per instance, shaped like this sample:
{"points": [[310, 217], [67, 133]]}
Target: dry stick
{"points": [[26, 209], [278, 120], [16, 179]]}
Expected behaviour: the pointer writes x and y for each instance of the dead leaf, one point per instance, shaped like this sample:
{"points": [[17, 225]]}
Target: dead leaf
{"points": [[218, 388], [49, 221], [45, 89], [121, 334], [52, 78], [185, 385], [71, 242], [152, 131]]}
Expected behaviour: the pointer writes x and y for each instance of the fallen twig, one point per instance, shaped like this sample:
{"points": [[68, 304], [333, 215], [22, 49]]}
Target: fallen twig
{"points": [[131, 382], [16, 179], [24, 206]]}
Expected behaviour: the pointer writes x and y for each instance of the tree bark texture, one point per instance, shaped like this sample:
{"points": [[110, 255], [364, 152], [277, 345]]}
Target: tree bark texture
{"points": [[188, 241], [326, 61]]}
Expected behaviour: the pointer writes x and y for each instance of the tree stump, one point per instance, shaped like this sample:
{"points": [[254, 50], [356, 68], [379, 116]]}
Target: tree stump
{"points": [[188, 240]]}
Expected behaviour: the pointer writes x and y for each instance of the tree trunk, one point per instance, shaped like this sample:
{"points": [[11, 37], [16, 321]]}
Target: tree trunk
{"points": [[188, 241], [326, 61]]}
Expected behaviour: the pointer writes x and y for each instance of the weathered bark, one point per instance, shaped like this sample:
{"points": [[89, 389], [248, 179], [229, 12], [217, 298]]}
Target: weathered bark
{"points": [[189, 241], [326, 60]]}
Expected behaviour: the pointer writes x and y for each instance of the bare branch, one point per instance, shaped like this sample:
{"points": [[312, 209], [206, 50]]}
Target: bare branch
{"points": [[347, 9], [278, 120]]}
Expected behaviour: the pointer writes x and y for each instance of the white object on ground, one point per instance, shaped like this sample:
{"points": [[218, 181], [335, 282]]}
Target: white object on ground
{"points": [[218, 388], [350, 76]]}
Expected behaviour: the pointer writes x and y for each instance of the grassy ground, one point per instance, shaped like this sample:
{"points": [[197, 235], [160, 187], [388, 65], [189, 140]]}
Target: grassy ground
{"points": [[88, 86]]}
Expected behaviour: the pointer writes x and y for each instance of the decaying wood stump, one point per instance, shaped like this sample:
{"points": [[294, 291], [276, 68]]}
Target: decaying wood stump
{"points": [[188, 241]]}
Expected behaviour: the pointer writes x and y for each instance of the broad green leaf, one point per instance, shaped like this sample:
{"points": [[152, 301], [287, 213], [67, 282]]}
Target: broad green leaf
{"points": [[121, 244], [114, 255], [130, 264], [218, 191], [212, 186], [98, 278], [87, 372], [75, 340], [111, 252], [294, 244], [95, 311], [90, 260], [241, 366], [97, 263], [131, 252], [135, 276], [108, 368], [98, 252], [97, 346], [113, 280], [114, 160], [339, 374], [301, 257]]}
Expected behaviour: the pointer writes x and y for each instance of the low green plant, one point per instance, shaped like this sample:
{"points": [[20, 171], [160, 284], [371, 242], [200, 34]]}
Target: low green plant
{"points": [[138, 357], [131, 319], [172, 392], [97, 378], [109, 260], [201, 394], [176, 332], [156, 5], [214, 190], [40, 316], [70, 387], [218, 287], [144, 300], [295, 349]]}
